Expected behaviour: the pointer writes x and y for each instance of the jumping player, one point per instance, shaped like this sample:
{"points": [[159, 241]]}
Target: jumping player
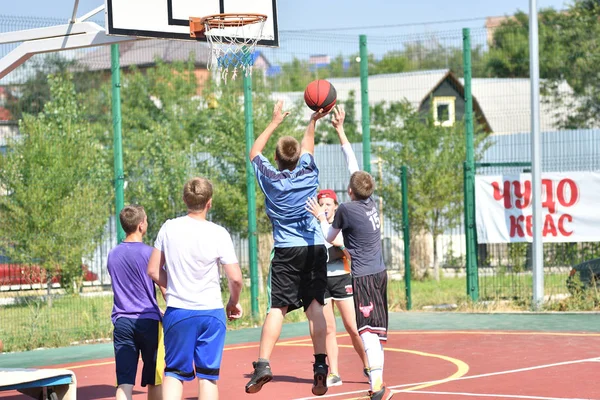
{"points": [[194, 324], [298, 273]]}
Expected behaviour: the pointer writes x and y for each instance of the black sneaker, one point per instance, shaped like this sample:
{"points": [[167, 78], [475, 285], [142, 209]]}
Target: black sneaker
{"points": [[261, 375], [320, 383]]}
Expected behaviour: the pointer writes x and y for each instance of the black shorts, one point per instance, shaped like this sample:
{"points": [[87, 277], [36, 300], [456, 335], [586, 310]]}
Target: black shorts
{"points": [[130, 338], [298, 276], [370, 302], [339, 287]]}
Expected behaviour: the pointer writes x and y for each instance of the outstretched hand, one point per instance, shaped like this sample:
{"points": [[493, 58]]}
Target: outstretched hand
{"points": [[278, 115], [318, 115], [337, 117], [313, 207], [233, 310]]}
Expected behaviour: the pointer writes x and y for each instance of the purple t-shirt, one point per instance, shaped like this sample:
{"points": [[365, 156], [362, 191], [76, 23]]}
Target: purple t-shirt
{"points": [[134, 295]]}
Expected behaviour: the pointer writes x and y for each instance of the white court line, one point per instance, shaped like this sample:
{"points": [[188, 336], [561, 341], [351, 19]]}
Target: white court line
{"points": [[510, 396], [512, 371]]}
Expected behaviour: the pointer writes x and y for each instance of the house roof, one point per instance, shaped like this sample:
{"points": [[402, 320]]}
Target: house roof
{"points": [[415, 87], [412, 86], [145, 52], [506, 103], [501, 104]]}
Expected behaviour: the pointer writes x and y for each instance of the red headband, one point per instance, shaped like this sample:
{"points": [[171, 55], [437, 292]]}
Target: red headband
{"points": [[327, 194]]}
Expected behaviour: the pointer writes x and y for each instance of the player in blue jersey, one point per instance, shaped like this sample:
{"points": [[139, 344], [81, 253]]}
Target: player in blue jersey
{"points": [[298, 275]]}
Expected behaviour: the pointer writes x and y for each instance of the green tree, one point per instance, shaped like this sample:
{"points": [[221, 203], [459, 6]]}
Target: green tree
{"points": [[509, 50], [392, 62], [327, 133], [162, 122], [31, 96], [579, 65], [294, 76], [56, 180], [423, 56], [568, 53], [224, 143], [434, 157]]}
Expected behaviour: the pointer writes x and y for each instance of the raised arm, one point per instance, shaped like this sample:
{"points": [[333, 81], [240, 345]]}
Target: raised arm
{"points": [[308, 141], [263, 138], [337, 120]]}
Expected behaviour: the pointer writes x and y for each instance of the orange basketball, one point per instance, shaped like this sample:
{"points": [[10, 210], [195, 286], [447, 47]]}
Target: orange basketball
{"points": [[320, 94]]}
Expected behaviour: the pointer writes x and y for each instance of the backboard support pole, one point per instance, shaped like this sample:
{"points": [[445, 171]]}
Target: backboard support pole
{"points": [[54, 38]]}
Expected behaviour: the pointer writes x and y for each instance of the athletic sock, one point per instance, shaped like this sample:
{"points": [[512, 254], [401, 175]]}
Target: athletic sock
{"points": [[320, 358], [374, 352], [263, 360]]}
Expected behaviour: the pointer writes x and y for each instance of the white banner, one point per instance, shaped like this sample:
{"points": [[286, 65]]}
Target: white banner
{"points": [[570, 205]]}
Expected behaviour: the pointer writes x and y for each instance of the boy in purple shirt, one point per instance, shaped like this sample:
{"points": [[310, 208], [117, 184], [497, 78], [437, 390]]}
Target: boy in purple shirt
{"points": [[135, 313]]}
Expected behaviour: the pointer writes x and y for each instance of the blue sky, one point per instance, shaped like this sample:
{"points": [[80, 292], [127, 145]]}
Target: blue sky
{"points": [[318, 14]]}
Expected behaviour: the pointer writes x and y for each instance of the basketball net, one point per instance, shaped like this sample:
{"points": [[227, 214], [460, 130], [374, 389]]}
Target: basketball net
{"points": [[232, 39]]}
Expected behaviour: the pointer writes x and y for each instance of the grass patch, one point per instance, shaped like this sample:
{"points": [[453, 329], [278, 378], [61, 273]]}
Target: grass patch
{"points": [[30, 323]]}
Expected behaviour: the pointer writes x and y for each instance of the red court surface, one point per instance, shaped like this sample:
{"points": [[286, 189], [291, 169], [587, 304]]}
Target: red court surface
{"points": [[418, 365]]}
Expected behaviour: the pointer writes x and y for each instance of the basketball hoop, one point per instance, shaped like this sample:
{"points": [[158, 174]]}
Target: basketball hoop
{"points": [[232, 39]]}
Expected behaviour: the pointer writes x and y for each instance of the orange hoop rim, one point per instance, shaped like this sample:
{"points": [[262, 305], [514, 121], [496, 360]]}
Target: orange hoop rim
{"points": [[216, 21]]}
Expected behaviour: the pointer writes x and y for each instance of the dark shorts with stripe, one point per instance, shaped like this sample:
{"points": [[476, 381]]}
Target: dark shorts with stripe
{"points": [[370, 302], [339, 287], [298, 276], [130, 338]]}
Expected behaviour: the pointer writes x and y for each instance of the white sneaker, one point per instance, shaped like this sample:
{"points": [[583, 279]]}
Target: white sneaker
{"points": [[334, 380]]}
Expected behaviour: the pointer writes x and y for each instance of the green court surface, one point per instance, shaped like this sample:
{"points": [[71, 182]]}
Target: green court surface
{"points": [[409, 321]]}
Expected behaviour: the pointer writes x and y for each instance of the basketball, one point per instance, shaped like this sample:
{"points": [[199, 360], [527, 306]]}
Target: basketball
{"points": [[320, 94]]}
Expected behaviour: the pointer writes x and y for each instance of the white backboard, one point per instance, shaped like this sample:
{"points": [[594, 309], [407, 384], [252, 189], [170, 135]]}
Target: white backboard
{"points": [[169, 19]]}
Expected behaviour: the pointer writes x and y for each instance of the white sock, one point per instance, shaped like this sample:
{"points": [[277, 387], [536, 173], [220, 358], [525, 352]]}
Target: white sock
{"points": [[374, 352]]}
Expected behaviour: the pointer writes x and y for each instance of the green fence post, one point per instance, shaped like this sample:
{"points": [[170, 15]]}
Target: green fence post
{"points": [[115, 67], [406, 236], [469, 182], [251, 194], [364, 100]]}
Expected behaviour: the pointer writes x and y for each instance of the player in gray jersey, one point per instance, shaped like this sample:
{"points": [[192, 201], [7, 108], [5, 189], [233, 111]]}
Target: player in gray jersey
{"points": [[359, 223]]}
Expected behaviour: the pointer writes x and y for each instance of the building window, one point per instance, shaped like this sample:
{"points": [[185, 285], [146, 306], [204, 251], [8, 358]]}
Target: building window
{"points": [[444, 111]]}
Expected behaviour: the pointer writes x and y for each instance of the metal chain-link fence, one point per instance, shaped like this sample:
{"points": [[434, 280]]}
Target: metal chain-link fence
{"points": [[178, 122]]}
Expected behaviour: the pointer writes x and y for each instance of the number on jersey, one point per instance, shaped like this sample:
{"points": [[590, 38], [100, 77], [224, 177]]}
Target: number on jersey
{"points": [[375, 221]]}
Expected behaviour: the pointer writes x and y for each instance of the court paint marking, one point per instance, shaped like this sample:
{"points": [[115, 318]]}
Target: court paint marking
{"points": [[462, 369], [250, 346], [413, 387], [428, 383], [512, 333], [510, 396], [89, 365], [304, 340], [511, 371]]}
